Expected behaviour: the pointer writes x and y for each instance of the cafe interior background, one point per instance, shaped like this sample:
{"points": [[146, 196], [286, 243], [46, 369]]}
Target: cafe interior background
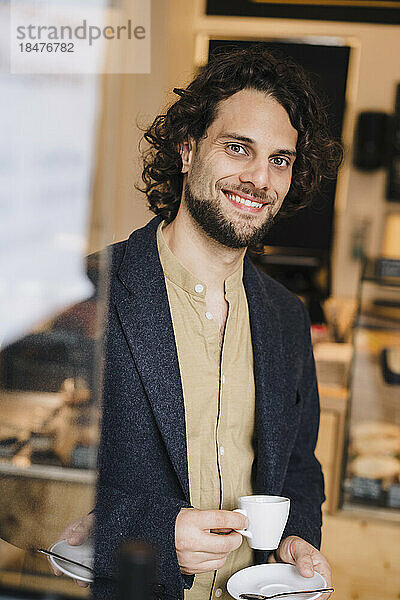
{"points": [[69, 163]]}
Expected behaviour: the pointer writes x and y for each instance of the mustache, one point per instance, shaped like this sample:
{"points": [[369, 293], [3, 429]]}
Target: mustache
{"points": [[259, 195]]}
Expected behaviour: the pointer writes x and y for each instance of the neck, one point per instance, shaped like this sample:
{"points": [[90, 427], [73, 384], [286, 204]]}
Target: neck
{"points": [[205, 258]]}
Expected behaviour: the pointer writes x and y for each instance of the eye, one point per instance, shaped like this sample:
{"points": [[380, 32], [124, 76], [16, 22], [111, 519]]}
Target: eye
{"points": [[236, 149], [280, 161]]}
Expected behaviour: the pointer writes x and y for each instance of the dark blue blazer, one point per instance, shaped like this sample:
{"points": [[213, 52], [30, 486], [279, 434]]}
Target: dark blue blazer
{"points": [[143, 472]]}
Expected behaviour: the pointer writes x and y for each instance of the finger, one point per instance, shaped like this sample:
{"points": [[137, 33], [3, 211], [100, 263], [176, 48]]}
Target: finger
{"points": [[222, 519], [212, 543], [203, 557], [76, 538], [78, 533], [82, 584], [212, 565], [68, 531], [203, 567], [207, 556], [322, 567], [222, 544], [53, 567], [304, 565], [294, 550]]}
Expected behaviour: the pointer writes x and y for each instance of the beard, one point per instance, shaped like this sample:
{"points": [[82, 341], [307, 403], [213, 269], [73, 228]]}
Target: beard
{"points": [[210, 218]]}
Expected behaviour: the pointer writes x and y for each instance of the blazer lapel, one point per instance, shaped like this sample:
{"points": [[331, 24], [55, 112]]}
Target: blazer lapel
{"points": [[269, 381], [146, 321]]}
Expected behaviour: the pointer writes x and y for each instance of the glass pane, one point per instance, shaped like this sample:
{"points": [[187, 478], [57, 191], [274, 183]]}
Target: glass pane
{"points": [[52, 300]]}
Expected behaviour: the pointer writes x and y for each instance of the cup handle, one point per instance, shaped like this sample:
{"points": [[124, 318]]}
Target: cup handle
{"points": [[244, 532]]}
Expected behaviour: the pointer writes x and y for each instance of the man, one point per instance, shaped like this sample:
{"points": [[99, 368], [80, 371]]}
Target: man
{"points": [[210, 389]]}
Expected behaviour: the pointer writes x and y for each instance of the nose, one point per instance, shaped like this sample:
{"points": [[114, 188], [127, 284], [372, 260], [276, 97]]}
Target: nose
{"points": [[256, 173]]}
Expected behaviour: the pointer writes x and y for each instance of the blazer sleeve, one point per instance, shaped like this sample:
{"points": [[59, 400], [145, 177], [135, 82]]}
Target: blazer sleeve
{"points": [[121, 517], [304, 483]]}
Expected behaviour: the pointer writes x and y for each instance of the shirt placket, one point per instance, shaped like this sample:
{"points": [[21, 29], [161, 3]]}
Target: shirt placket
{"points": [[217, 587], [212, 340]]}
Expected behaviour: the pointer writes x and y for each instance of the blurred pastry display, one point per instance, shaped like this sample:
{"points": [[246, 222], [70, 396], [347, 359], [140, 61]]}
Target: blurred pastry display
{"points": [[375, 429], [384, 468], [375, 446], [40, 428], [374, 466], [375, 438], [372, 456]]}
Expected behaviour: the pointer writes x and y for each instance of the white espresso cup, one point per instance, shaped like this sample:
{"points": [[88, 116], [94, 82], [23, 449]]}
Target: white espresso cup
{"points": [[268, 516]]}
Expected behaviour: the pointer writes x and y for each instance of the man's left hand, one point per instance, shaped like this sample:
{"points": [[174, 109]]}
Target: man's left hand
{"points": [[296, 551]]}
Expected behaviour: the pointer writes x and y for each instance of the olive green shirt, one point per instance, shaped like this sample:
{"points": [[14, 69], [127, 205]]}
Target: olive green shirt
{"points": [[219, 397]]}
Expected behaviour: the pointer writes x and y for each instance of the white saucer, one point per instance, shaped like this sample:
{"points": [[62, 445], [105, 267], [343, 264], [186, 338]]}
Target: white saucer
{"points": [[274, 579], [82, 554]]}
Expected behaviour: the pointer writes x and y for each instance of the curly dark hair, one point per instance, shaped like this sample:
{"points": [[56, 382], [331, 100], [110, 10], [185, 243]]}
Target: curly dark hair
{"points": [[318, 155]]}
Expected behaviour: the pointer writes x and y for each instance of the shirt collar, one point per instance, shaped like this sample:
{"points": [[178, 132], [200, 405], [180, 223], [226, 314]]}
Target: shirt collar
{"points": [[178, 274]]}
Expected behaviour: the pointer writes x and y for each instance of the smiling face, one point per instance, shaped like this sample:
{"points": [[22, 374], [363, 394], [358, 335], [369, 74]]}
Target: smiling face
{"points": [[240, 173]]}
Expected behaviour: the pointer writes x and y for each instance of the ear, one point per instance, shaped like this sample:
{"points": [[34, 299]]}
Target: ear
{"points": [[187, 152]]}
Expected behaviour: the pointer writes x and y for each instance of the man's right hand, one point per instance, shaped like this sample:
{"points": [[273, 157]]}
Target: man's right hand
{"points": [[199, 545], [76, 534]]}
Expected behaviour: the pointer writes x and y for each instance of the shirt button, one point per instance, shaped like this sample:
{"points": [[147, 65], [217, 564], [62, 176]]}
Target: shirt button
{"points": [[209, 315], [222, 450], [218, 593], [198, 288]]}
